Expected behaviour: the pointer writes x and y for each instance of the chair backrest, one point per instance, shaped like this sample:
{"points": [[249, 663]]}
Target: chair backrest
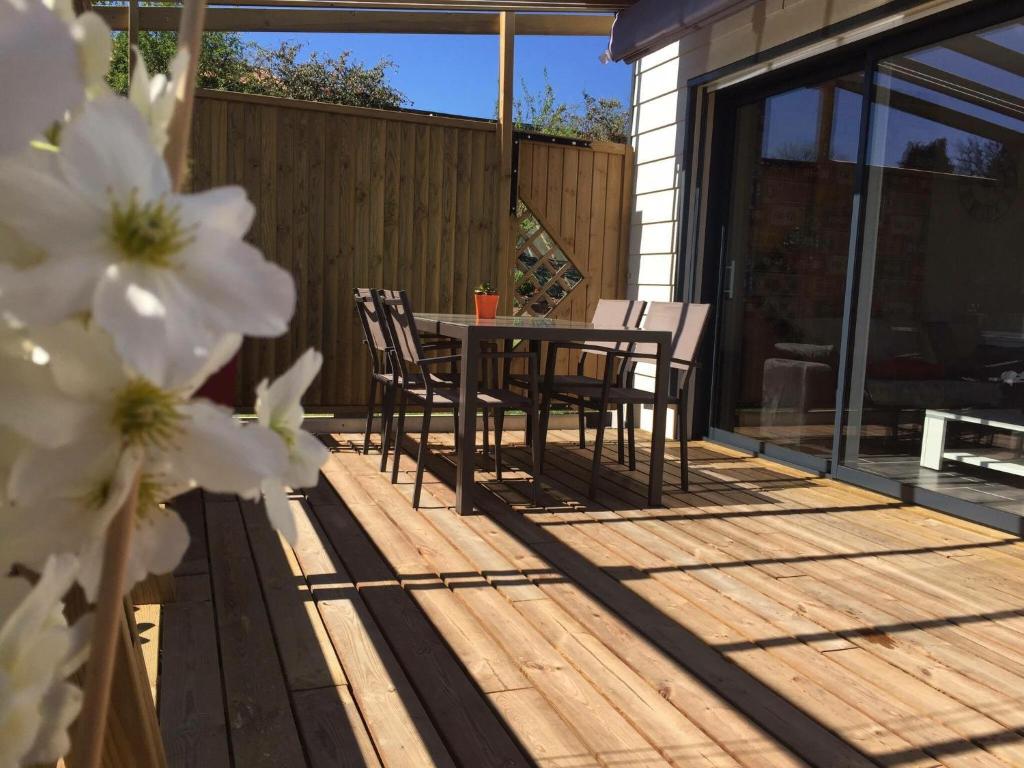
{"points": [[370, 319], [401, 328], [686, 322], [615, 312]]}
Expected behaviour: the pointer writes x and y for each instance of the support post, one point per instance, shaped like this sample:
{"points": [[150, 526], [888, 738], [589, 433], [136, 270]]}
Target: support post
{"points": [[133, 36], [503, 220]]}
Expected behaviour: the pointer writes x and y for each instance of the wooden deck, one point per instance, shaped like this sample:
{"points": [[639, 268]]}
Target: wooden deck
{"points": [[767, 618]]}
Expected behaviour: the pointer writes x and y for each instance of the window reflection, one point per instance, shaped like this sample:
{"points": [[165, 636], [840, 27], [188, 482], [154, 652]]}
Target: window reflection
{"points": [[939, 332], [788, 244]]}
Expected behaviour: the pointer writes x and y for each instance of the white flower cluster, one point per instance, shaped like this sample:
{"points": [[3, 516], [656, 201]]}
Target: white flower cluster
{"points": [[119, 297]]}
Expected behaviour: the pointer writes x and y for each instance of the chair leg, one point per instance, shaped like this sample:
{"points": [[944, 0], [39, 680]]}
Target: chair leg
{"points": [[455, 413], [387, 413], [421, 460], [631, 431], [595, 467], [499, 428], [583, 426], [486, 440], [622, 433], [536, 454], [684, 465], [369, 414], [399, 432]]}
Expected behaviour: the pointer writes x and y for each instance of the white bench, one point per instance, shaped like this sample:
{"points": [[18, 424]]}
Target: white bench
{"points": [[933, 441]]}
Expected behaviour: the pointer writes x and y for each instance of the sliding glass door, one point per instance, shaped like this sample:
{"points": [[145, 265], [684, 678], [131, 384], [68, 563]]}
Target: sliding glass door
{"points": [[877, 266], [938, 337], [787, 242]]}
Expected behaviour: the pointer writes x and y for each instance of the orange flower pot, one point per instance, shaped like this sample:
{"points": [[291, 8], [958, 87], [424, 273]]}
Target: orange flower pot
{"points": [[486, 305]]}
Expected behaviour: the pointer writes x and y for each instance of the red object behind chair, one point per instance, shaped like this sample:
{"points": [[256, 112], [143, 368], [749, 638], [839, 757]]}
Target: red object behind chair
{"points": [[221, 386]]}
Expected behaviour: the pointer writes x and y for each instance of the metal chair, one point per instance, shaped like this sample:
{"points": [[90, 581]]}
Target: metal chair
{"points": [[383, 373], [567, 388], [687, 323], [432, 390]]}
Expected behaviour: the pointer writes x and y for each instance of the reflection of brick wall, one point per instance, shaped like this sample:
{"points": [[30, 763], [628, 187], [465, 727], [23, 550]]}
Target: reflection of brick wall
{"points": [[799, 242], [800, 238], [902, 240]]}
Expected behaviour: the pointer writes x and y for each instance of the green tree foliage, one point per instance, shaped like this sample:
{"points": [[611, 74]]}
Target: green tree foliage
{"points": [[595, 118], [227, 62]]}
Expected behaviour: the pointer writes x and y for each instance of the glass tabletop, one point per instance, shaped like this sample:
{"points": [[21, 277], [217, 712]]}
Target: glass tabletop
{"points": [[507, 321]]}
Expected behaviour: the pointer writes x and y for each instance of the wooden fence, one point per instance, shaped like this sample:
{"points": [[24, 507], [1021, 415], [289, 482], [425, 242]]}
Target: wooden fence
{"points": [[350, 197]]}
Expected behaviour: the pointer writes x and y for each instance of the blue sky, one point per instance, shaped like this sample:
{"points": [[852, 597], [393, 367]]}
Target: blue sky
{"points": [[459, 73]]}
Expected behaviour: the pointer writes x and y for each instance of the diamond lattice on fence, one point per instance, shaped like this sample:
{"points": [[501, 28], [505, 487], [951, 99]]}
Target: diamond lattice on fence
{"points": [[544, 274]]}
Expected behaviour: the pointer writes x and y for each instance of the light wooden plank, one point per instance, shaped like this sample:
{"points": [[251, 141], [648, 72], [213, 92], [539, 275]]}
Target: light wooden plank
{"points": [[147, 619], [400, 728]]}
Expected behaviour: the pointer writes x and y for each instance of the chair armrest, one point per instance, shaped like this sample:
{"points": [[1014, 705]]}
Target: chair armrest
{"points": [[452, 344], [439, 360]]}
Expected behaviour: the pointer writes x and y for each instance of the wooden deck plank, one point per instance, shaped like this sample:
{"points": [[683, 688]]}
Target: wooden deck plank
{"points": [[263, 729], [306, 653], [333, 730], [765, 618], [191, 703], [147, 620]]}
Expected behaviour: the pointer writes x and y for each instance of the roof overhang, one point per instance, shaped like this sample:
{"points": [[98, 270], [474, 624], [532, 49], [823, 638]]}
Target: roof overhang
{"points": [[307, 16], [648, 25]]}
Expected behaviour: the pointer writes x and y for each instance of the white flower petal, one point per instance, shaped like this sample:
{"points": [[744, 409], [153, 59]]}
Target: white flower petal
{"points": [[49, 293], [224, 208], [240, 289], [305, 458], [37, 204], [33, 406], [218, 453], [106, 150], [279, 510], [94, 49], [41, 77], [279, 404], [83, 359], [158, 543]]}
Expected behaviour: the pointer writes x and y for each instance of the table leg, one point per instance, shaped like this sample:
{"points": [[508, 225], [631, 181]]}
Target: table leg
{"points": [[467, 425], [661, 383], [534, 350]]}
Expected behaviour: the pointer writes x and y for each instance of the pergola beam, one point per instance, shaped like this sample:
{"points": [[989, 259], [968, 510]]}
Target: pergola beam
{"points": [[309, 20], [521, 6]]}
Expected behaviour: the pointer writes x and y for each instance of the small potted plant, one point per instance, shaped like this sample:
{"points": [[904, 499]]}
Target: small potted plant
{"points": [[486, 297]]}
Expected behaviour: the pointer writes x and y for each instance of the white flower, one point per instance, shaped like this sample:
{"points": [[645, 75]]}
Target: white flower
{"points": [[41, 74], [279, 408], [37, 653], [127, 424], [95, 45], [163, 273], [155, 97]]}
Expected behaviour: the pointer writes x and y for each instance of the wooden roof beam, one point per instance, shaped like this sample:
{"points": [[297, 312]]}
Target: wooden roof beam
{"points": [[309, 20]]}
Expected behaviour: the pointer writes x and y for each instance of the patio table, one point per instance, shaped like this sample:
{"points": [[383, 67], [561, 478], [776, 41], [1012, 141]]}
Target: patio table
{"points": [[471, 331]]}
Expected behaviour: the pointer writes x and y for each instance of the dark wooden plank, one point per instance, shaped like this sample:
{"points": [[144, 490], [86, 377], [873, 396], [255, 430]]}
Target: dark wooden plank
{"points": [[263, 730], [333, 730], [191, 702]]}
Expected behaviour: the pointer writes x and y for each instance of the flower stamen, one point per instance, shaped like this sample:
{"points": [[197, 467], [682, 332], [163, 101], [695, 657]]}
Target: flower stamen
{"points": [[146, 414], [147, 233]]}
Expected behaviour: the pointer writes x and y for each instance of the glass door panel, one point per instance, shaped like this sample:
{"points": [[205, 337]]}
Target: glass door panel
{"points": [[784, 272], [939, 328]]}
